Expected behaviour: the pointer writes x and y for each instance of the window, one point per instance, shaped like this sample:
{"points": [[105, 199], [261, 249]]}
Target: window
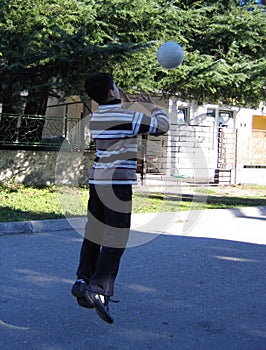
{"points": [[182, 115], [225, 118], [210, 113]]}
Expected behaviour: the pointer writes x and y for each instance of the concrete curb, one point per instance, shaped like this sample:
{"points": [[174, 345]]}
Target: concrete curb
{"points": [[39, 226]]}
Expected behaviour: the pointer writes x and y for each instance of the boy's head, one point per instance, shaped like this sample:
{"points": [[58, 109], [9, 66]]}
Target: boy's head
{"points": [[101, 87]]}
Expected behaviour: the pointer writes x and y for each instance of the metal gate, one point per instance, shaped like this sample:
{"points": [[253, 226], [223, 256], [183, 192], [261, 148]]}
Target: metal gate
{"points": [[227, 156]]}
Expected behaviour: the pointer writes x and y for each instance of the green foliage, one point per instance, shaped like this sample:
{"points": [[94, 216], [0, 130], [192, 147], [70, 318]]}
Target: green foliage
{"points": [[47, 47], [225, 55]]}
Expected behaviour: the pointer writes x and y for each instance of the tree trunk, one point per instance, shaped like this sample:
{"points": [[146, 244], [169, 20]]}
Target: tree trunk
{"points": [[31, 127], [8, 123]]}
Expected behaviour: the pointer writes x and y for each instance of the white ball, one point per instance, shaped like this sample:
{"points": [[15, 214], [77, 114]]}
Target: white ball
{"points": [[170, 55]]}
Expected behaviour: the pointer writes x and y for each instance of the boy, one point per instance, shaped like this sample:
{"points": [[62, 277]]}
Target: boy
{"points": [[114, 130]]}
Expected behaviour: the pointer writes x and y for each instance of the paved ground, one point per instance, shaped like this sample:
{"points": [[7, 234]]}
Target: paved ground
{"points": [[195, 281]]}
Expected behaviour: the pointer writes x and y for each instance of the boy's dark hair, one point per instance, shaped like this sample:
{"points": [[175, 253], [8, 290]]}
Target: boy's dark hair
{"points": [[97, 86]]}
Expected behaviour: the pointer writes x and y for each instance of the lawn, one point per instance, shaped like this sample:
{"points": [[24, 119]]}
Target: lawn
{"points": [[21, 203]]}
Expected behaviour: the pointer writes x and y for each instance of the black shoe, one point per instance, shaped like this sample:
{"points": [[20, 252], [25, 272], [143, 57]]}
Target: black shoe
{"points": [[78, 290], [100, 302]]}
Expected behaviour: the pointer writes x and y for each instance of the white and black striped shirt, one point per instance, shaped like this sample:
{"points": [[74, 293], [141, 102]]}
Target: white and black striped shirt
{"points": [[114, 130]]}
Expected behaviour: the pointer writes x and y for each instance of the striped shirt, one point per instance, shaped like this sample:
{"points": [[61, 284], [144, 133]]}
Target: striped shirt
{"points": [[114, 131]]}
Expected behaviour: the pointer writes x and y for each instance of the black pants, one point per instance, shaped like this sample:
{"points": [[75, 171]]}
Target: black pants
{"points": [[106, 236]]}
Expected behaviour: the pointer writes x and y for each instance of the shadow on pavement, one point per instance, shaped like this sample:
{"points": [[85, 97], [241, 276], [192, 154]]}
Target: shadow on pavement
{"points": [[176, 293], [259, 213]]}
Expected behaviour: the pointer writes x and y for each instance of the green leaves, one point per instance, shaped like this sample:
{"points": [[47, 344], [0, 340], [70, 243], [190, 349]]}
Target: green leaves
{"points": [[224, 46], [56, 43]]}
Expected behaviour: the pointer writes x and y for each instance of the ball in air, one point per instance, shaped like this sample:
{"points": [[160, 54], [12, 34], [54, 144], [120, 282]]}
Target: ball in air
{"points": [[170, 55]]}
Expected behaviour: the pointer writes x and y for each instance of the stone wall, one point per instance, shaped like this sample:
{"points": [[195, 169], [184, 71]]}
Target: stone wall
{"points": [[189, 152], [45, 168]]}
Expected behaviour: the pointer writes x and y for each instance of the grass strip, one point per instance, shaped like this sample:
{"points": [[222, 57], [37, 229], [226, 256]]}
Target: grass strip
{"points": [[22, 203]]}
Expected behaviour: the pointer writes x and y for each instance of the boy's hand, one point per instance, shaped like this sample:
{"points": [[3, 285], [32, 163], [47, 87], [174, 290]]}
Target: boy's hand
{"points": [[145, 98], [125, 96], [146, 101]]}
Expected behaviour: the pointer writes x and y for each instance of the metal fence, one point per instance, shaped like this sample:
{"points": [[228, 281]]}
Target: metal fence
{"points": [[252, 149], [43, 132], [226, 159]]}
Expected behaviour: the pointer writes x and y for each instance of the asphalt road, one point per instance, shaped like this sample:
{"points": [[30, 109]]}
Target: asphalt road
{"points": [[196, 290]]}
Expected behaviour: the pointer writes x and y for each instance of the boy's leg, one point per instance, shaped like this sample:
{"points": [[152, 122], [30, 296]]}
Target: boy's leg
{"points": [[89, 254], [114, 240], [90, 248], [94, 230]]}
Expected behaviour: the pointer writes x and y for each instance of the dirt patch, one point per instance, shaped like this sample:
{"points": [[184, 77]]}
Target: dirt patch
{"points": [[239, 191]]}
